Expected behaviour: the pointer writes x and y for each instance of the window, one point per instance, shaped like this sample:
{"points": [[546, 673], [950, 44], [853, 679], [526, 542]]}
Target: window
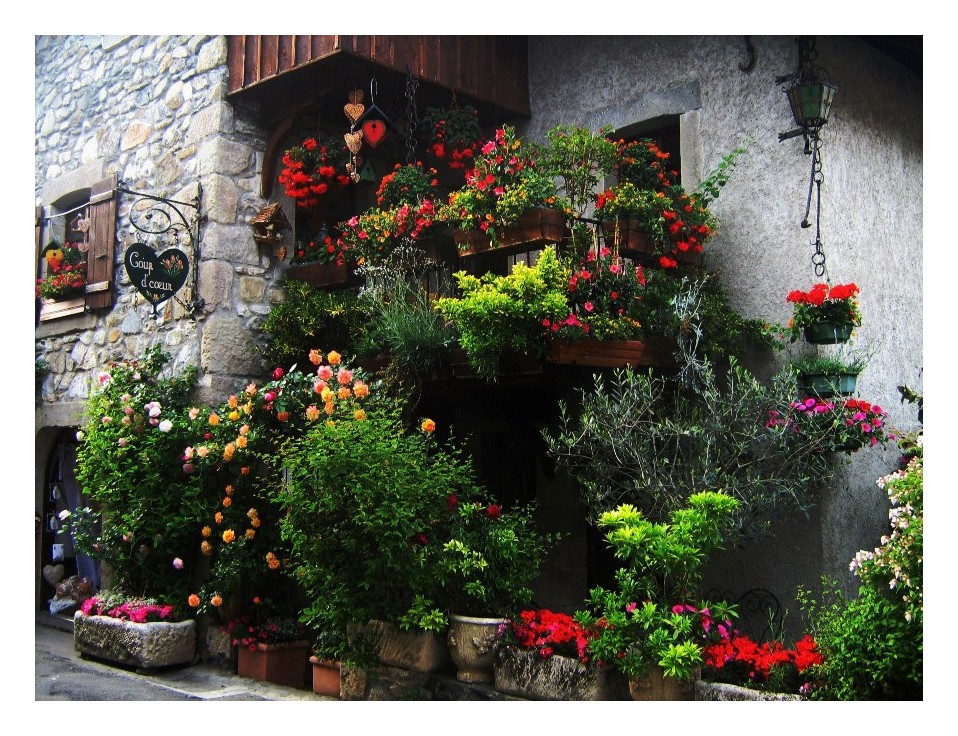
{"points": [[86, 217]]}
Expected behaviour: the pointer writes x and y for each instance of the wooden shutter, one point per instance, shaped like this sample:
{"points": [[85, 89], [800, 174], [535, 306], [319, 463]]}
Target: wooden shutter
{"points": [[39, 236], [101, 236]]}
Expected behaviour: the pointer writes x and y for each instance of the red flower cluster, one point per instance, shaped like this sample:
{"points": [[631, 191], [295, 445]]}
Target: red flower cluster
{"points": [[551, 633], [136, 611], [756, 661], [819, 293], [643, 163], [328, 250], [308, 170]]}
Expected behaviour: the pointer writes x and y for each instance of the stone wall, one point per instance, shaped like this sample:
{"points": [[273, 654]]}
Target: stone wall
{"points": [[871, 224], [152, 110]]}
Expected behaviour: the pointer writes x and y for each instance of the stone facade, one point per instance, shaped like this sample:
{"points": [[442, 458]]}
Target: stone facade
{"points": [[153, 110], [871, 226]]}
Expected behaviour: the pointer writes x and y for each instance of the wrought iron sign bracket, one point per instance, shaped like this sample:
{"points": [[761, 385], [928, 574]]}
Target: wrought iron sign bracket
{"points": [[159, 275]]}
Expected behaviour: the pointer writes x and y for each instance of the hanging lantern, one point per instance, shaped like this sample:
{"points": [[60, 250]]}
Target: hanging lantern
{"points": [[810, 97], [811, 103]]}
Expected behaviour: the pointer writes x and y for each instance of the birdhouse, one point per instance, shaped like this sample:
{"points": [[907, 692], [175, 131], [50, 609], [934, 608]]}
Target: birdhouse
{"points": [[269, 224]]}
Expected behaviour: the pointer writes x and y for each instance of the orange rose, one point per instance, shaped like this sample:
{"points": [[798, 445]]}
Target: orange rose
{"points": [[216, 601], [193, 600]]}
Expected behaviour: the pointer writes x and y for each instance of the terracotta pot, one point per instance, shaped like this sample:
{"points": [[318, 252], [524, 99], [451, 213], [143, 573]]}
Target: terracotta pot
{"points": [[656, 686], [282, 664], [326, 677], [472, 646]]}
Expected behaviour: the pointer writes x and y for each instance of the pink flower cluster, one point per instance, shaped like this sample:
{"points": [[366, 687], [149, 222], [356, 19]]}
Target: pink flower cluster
{"points": [[138, 612]]}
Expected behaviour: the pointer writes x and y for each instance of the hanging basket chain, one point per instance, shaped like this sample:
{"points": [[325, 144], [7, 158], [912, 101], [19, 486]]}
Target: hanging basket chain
{"points": [[816, 177], [412, 85]]}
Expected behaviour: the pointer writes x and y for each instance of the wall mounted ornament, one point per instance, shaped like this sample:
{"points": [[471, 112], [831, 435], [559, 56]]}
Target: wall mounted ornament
{"points": [[158, 266]]}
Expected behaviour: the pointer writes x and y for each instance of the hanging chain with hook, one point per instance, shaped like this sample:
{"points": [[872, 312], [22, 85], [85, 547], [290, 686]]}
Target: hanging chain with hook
{"points": [[815, 179], [412, 84]]}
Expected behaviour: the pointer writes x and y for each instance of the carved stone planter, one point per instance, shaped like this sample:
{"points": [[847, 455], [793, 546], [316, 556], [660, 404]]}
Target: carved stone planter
{"points": [[723, 691], [146, 646], [526, 674], [419, 651], [472, 646]]}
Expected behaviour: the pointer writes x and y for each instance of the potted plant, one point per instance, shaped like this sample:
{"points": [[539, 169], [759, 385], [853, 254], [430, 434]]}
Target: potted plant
{"points": [[825, 314], [326, 660], [66, 271], [544, 655], [508, 197], [648, 628], [633, 220], [310, 168], [494, 316], [135, 632], [843, 425], [827, 376], [366, 482], [767, 670], [454, 134], [485, 567], [373, 235], [407, 184], [270, 645]]}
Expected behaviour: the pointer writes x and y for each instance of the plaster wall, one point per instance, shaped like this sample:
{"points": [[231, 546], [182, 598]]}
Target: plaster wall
{"points": [[871, 226]]}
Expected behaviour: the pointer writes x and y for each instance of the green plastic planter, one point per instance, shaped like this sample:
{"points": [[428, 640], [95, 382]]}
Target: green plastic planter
{"points": [[826, 385], [828, 333]]}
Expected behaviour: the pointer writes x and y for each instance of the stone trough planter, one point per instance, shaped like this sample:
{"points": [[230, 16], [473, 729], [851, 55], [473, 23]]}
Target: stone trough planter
{"points": [[146, 646], [722, 691], [526, 674]]}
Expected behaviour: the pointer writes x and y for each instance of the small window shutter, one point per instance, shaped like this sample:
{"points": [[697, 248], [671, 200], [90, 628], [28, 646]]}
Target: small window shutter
{"points": [[101, 236]]}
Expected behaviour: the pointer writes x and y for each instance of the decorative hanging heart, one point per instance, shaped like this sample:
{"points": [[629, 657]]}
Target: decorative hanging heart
{"points": [[156, 277], [354, 111], [53, 574], [373, 132], [354, 141]]}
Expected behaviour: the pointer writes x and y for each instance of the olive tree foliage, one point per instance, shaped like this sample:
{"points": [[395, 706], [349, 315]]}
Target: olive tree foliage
{"points": [[653, 441]]}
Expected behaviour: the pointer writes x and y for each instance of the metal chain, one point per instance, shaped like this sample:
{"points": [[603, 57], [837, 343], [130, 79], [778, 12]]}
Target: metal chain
{"points": [[412, 84], [816, 177]]}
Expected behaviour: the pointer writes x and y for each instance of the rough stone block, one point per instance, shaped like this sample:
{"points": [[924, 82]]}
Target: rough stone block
{"points": [[419, 651], [144, 646], [723, 691], [526, 674]]}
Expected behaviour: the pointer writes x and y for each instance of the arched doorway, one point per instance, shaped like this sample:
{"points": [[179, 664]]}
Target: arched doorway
{"points": [[61, 493]]}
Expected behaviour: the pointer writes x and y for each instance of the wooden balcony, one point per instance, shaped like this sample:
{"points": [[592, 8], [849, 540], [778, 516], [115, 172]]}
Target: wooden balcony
{"points": [[283, 74]]}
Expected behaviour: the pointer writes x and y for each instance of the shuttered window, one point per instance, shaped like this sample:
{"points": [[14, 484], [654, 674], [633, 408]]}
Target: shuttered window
{"points": [[99, 234]]}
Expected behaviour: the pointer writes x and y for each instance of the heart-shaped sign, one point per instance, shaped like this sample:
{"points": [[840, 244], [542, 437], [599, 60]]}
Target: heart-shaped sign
{"points": [[156, 277], [354, 111], [53, 574], [373, 132], [354, 141]]}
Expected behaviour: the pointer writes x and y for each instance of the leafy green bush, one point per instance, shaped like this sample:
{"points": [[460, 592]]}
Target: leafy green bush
{"points": [[873, 644], [648, 620], [129, 462], [495, 314], [308, 317], [871, 651], [642, 439]]}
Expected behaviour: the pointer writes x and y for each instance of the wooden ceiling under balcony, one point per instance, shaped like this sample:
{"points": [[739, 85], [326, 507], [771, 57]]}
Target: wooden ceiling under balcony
{"points": [[287, 75]]}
